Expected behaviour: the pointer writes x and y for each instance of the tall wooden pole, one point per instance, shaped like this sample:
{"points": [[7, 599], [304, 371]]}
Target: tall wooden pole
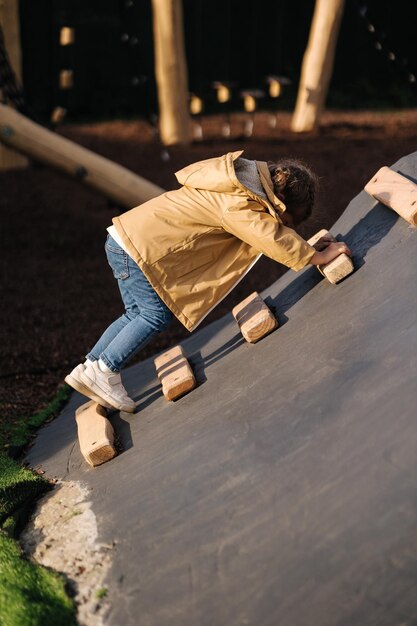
{"points": [[9, 21], [171, 71], [317, 64]]}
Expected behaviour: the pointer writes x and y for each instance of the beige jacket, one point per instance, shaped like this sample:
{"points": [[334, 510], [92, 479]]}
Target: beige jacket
{"points": [[196, 243]]}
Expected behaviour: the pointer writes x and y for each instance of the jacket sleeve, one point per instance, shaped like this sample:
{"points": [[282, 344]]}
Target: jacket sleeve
{"points": [[268, 235]]}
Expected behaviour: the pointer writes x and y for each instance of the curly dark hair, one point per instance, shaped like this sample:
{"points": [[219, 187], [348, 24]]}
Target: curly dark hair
{"points": [[296, 185]]}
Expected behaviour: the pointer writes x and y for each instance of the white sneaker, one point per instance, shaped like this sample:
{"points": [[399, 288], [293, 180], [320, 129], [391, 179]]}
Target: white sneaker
{"points": [[74, 380], [108, 386]]}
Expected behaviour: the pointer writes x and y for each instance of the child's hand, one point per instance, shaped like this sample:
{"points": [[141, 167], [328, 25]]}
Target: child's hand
{"points": [[324, 242], [331, 252]]}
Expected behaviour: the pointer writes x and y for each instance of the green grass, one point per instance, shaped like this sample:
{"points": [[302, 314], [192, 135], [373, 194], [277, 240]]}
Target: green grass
{"points": [[30, 595], [101, 593], [17, 486], [20, 432]]}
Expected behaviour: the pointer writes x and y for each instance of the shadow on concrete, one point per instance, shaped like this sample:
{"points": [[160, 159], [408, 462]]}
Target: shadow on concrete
{"points": [[148, 396], [230, 345], [123, 433]]}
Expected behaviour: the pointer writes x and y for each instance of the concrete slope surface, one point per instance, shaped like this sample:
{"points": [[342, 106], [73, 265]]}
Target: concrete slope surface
{"points": [[283, 490]]}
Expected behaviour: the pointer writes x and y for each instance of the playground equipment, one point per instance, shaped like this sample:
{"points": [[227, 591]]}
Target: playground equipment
{"points": [[282, 489], [113, 180], [9, 25], [171, 71], [28, 138], [317, 64]]}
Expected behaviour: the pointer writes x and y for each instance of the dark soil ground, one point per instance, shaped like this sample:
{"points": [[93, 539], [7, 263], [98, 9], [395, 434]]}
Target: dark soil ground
{"points": [[58, 293]]}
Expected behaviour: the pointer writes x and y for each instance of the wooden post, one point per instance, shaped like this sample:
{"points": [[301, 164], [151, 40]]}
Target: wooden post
{"points": [[317, 64], [9, 21], [115, 181], [171, 71]]}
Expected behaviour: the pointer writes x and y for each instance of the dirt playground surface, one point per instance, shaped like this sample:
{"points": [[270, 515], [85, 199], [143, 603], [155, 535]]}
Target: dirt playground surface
{"points": [[58, 293]]}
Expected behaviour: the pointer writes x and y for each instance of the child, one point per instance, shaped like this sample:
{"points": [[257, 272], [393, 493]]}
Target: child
{"points": [[182, 252]]}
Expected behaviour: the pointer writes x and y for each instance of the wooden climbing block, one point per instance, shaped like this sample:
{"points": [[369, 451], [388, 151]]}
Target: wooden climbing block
{"points": [[175, 373], [339, 268], [95, 433], [255, 319], [322, 233], [396, 192]]}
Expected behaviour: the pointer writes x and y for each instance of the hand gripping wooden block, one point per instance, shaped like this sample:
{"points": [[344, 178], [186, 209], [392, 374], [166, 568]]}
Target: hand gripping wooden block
{"points": [[337, 269], [396, 192], [95, 433], [174, 373], [255, 319], [322, 233]]}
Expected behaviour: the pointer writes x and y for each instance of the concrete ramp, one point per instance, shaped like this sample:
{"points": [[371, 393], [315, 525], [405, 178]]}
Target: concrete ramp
{"points": [[283, 490]]}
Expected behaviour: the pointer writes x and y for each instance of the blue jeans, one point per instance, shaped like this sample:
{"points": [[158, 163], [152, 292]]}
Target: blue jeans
{"points": [[145, 313]]}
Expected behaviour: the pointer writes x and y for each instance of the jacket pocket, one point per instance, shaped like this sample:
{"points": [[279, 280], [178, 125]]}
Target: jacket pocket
{"points": [[118, 261], [188, 259]]}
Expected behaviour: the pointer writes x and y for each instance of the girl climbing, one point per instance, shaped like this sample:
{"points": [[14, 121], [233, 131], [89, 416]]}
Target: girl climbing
{"points": [[182, 252]]}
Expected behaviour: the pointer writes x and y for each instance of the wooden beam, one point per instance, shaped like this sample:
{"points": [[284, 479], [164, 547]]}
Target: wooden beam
{"points": [[113, 180], [396, 192], [9, 21], [317, 65], [171, 72], [254, 318]]}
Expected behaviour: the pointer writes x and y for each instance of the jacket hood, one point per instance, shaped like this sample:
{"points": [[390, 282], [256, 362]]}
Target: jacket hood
{"points": [[218, 174], [215, 174]]}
